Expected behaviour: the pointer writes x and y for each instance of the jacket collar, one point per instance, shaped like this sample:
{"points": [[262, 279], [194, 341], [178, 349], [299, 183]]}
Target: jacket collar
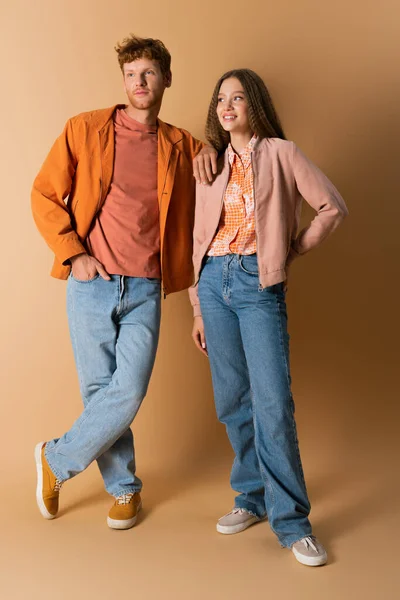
{"points": [[245, 154], [168, 132]]}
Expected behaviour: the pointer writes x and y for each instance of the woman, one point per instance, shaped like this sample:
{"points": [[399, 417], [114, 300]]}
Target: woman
{"points": [[245, 238]]}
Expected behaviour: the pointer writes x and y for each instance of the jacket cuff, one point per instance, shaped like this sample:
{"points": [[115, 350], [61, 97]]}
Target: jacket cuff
{"points": [[196, 310], [68, 249]]}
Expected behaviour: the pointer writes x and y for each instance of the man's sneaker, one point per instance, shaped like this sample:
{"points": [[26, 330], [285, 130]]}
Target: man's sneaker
{"points": [[123, 513], [237, 520], [48, 486], [309, 551]]}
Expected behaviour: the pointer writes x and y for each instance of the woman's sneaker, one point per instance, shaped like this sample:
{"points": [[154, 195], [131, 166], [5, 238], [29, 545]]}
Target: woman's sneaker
{"points": [[309, 551], [48, 486], [235, 521], [123, 514]]}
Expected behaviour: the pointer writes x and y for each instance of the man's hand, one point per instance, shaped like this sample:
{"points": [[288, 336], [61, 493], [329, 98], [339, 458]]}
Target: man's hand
{"points": [[198, 335], [85, 267], [205, 165]]}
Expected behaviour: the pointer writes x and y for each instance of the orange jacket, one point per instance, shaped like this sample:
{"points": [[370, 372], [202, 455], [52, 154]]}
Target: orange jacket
{"points": [[75, 178]]}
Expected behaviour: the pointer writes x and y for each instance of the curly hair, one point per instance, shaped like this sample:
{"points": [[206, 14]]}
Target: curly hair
{"points": [[133, 47], [263, 118]]}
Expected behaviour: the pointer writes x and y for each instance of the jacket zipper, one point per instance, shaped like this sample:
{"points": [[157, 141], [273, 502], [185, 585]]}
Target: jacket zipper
{"points": [[219, 218], [260, 287]]}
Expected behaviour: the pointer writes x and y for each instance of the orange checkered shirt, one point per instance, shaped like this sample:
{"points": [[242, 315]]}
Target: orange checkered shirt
{"points": [[236, 231]]}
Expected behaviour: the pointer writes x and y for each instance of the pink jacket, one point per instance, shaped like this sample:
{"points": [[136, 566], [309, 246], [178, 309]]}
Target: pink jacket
{"points": [[283, 176]]}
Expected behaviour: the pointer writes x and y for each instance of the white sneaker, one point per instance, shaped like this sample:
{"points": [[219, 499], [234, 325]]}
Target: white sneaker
{"points": [[235, 521], [309, 551]]}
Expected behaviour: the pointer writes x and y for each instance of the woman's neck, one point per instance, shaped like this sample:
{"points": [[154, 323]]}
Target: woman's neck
{"points": [[240, 140]]}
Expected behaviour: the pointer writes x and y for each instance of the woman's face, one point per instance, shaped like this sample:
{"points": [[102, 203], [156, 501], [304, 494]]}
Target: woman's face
{"points": [[232, 109]]}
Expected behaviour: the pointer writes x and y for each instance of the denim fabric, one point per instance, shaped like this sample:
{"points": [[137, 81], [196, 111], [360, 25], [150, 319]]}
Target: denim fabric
{"points": [[114, 327], [248, 346]]}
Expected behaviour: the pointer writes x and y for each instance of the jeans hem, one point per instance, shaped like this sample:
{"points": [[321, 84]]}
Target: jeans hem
{"points": [[55, 471], [295, 539], [251, 512], [121, 492]]}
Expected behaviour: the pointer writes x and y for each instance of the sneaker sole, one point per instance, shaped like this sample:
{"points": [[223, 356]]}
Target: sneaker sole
{"points": [[310, 561], [123, 523], [39, 487], [231, 529]]}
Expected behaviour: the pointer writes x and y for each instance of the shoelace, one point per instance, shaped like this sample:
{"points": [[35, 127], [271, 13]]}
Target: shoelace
{"points": [[237, 511], [125, 498], [58, 485], [309, 542]]}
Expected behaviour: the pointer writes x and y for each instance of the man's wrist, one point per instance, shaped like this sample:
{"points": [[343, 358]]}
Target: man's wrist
{"points": [[73, 258]]}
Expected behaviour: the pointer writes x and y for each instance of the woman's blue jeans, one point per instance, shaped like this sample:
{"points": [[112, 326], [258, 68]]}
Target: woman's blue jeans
{"points": [[248, 346]]}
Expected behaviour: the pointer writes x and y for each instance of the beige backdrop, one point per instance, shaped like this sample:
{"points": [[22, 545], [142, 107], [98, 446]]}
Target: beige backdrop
{"points": [[333, 72]]}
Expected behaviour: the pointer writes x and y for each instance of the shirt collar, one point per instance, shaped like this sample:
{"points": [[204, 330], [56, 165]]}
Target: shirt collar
{"points": [[245, 154]]}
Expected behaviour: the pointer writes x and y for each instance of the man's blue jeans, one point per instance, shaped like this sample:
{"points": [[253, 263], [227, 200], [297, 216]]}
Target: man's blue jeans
{"points": [[248, 346], [114, 328]]}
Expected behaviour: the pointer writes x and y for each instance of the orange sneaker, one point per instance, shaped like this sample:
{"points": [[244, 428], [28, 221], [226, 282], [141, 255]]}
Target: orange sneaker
{"points": [[48, 486], [123, 513]]}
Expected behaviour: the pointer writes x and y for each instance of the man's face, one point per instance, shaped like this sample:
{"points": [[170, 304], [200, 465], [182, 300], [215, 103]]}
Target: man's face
{"points": [[144, 83]]}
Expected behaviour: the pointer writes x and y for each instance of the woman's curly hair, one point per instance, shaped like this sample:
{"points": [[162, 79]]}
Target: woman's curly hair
{"points": [[263, 119]]}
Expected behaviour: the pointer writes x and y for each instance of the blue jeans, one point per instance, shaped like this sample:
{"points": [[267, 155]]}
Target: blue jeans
{"points": [[248, 346], [114, 328]]}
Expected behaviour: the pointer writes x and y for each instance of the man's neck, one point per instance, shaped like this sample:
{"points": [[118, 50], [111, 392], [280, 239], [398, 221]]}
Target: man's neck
{"points": [[146, 117]]}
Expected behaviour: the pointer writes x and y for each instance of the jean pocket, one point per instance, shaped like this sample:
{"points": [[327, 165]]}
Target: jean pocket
{"points": [[249, 264], [85, 280]]}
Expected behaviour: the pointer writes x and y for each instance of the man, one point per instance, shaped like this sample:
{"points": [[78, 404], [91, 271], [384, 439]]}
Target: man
{"points": [[114, 200]]}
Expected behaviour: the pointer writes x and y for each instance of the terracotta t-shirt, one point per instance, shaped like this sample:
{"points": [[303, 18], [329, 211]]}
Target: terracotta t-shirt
{"points": [[125, 236]]}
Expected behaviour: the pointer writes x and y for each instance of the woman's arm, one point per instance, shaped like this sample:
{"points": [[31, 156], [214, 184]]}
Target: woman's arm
{"points": [[198, 238], [198, 326], [321, 194]]}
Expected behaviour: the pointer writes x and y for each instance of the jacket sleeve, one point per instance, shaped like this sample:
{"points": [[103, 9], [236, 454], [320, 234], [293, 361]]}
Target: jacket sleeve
{"points": [[320, 194], [50, 189], [195, 146], [194, 300], [197, 240]]}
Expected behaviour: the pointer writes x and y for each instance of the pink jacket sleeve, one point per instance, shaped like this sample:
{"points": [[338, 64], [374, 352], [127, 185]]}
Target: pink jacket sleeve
{"points": [[197, 240], [320, 194]]}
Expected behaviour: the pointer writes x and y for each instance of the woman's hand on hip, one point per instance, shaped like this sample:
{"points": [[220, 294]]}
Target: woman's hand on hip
{"points": [[198, 335]]}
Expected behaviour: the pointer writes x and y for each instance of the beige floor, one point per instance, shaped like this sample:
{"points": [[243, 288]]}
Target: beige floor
{"points": [[174, 551]]}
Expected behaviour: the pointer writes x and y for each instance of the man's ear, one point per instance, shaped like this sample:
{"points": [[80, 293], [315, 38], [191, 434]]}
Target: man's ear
{"points": [[168, 79]]}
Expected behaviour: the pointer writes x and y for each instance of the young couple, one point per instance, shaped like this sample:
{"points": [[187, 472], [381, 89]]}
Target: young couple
{"points": [[115, 201]]}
